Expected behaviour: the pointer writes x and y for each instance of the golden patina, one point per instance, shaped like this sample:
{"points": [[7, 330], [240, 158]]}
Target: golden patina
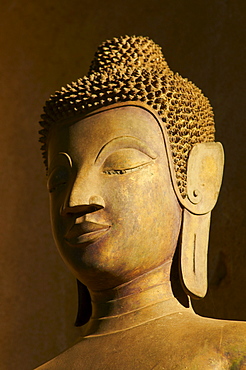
{"points": [[133, 174]]}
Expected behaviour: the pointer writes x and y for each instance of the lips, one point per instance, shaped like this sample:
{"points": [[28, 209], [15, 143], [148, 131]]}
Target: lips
{"points": [[85, 232]]}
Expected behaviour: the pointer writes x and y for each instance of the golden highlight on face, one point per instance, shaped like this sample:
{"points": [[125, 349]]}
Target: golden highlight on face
{"points": [[114, 212], [133, 69]]}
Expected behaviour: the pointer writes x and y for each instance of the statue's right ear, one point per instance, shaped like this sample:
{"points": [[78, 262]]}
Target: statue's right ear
{"points": [[204, 177]]}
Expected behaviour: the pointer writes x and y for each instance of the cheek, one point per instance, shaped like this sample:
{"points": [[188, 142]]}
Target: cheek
{"points": [[57, 223], [145, 214]]}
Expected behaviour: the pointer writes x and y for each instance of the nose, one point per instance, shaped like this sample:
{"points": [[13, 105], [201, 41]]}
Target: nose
{"points": [[82, 199]]}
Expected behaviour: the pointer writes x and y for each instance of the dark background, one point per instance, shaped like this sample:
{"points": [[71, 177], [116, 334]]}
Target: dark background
{"points": [[46, 44]]}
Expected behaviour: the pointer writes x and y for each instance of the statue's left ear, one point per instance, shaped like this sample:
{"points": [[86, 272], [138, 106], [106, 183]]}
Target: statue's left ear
{"points": [[204, 177]]}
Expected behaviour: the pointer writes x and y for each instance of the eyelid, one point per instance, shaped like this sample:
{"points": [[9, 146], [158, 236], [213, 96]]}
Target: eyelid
{"points": [[54, 181], [122, 171], [126, 159], [124, 142], [58, 160]]}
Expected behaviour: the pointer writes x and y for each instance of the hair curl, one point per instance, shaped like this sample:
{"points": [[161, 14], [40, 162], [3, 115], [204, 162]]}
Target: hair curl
{"points": [[134, 69]]}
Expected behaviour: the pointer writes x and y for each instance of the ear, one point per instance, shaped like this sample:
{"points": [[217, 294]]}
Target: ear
{"points": [[194, 249], [204, 177]]}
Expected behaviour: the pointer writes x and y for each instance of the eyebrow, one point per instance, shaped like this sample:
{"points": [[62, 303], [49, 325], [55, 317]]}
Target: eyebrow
{"points": [[123, 142], [56, 157]]}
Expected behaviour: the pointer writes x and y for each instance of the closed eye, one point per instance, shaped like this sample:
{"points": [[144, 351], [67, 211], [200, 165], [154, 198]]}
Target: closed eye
{"points": [[57, 178], [124, 161], [121, 172]]}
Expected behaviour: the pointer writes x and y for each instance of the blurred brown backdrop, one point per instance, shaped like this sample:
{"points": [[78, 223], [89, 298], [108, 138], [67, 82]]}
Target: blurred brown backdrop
{"points": [[45, 44]]}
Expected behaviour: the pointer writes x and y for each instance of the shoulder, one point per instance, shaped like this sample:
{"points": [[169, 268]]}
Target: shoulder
{"points": [[64, 361], [202, 343], [233, 342], [224, 339], [179, 341]]}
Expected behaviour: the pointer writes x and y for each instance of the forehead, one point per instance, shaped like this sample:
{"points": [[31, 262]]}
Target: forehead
{"points": [[91, 133]]}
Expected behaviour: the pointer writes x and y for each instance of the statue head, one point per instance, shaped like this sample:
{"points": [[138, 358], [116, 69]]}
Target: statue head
{"points": [[118, 117]]}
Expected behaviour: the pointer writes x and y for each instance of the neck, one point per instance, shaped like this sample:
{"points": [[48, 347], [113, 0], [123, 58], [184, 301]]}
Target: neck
{"points": [[138, 301]]}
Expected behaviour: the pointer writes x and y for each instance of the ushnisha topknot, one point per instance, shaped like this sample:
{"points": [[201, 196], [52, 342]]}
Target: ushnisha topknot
{"points": [[131, 68]]}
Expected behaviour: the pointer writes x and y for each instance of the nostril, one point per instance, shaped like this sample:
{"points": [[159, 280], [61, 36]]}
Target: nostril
{"points": [[80, 211], [97, 201], [95, 207]]}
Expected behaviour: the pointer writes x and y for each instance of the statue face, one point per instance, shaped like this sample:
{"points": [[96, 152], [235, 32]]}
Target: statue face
{"points": [[113, 209]]}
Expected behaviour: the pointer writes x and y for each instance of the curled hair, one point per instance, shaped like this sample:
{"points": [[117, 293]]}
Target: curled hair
{"points": [[134, 69]]}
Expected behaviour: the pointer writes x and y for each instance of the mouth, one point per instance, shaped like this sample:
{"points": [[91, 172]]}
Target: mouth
{"points": [[85, 232]]}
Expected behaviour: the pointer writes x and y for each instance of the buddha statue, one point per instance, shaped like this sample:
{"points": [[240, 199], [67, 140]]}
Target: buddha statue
{"points": [[133, 174]]}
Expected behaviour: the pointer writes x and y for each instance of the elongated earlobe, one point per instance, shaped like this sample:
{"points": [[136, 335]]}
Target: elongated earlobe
{"points": [[204, 177], [194, 249]]}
